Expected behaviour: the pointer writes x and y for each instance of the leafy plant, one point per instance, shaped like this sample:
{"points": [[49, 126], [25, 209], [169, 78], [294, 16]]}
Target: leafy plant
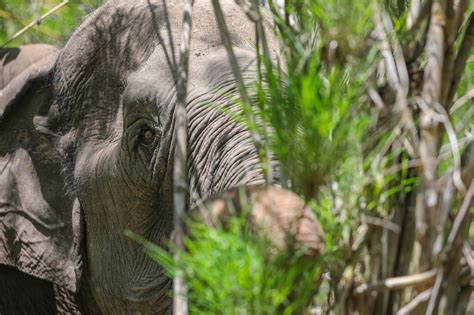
{"points": [[343, 106], [55, 29]]}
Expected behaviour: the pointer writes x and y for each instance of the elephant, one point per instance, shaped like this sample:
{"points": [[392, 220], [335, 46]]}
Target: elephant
{"points": [[86, 152], [16, 60]]}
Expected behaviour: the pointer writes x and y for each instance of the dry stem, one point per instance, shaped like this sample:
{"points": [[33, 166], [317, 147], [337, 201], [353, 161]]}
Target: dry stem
{"points": [[452, 252], [416, 305], [461, 58], [180, 189], [427, 198], [398, 283]]}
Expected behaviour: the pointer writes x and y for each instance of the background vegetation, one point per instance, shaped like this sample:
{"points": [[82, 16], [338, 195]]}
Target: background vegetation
{"points": [[372, 120], [55, 29]]}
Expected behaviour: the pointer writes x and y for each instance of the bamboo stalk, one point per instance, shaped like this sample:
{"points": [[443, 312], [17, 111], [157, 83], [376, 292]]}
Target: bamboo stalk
{"points": [[416, 305], [417, 14], [397, 75], [448, 275], [462, 56], [455, 14], [462, 101], [453, 282], [413, 13], [415, 21], [180, 186], [449, 52], [453, 250], [460, 8], [427, 198], [397, 52], [463, 300], [393, 67], [398, 283]]}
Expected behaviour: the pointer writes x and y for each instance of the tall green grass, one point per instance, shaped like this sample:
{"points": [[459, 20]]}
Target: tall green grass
{"points": [[313, 117], [336, 149]]}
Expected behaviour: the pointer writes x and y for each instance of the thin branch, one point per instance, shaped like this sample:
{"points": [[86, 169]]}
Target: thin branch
{"points": [[395, 71], [376, 99], [397, 51], [463, 300], [37, 21], [465, 125], [252, 10], [449, 39], [462, 101], [417, 304], [386, 51], [452, 251], [467, 163], [439, 115], [417, 14], [249, 9], [467, 253], [447, 195], [447, 192], [446, 149], [344, 283], [385, 224], [450, 267], [180, 189], [225, 38], [399, 283], [461, 59], [386, 146], [460, 8], [414, 163]]}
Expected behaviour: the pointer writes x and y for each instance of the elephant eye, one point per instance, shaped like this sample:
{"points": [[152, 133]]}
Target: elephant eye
{"points": [[146, 136]]}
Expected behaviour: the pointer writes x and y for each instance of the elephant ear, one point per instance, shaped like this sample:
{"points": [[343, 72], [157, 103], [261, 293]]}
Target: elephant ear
{"points": [[40, 225]]}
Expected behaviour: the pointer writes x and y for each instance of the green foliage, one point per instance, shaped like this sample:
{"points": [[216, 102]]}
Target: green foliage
{"points": [[312, 104], [315, 124], [335, 151], [55, 29], [232, 270]]}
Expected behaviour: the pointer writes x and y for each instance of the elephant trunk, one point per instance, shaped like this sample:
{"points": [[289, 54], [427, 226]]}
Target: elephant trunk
{"points": [[222, 154]]}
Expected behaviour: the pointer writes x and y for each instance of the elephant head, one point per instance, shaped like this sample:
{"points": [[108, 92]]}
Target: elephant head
{"points": [[87, 142]]}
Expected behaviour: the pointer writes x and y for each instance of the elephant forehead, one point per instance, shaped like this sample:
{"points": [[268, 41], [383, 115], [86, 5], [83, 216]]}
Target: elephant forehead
{"points": [[208, 74], [123, 37]]}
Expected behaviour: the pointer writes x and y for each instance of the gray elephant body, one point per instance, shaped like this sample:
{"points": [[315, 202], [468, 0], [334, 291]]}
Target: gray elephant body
{"points": [[87, 146]]}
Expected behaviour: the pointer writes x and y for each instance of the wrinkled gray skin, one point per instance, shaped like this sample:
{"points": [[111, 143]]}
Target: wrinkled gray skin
{"points": [[14, 61], [87, 142]]}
